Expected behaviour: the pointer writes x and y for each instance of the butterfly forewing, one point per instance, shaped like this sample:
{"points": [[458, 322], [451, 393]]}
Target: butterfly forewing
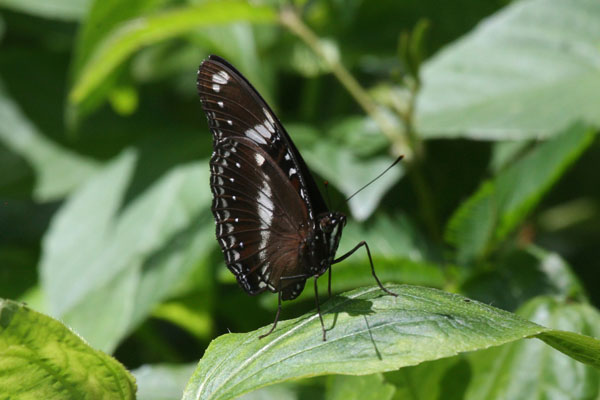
{"points": [[260, 199], [234, 108]]}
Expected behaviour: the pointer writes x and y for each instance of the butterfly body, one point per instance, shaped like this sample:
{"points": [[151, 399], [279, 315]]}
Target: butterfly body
{"points": [[272, 224]]}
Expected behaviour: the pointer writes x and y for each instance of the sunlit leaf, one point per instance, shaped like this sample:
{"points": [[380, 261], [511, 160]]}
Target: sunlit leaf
{"points": [[132, 35], [40, 358], [68, 10], [525, 72], [368, 332], [499, 205], [103, 268]]}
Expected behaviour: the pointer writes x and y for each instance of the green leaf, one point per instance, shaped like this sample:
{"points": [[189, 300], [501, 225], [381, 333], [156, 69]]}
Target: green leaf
{"points": [[131, 36], [529, 369], [522, 274], [368, 332], [40, 358], [499, 205], [105, 266], [369, 387], [68, 10], [524, 72], [432, 380], [346, 169], [58, 171], [162, 381], [582, 348]]}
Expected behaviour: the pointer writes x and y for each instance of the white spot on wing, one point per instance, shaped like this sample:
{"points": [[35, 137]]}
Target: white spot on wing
{"points": [[263, 205], [260, 160], [216, 88], [252, 134], [220, 77], [220, 103], [269, 126], [263, 131], [292, 171], [268, 115]]}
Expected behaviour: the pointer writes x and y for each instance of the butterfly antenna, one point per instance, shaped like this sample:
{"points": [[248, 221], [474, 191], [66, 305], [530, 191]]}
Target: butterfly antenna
{"points": [[377, 177]]}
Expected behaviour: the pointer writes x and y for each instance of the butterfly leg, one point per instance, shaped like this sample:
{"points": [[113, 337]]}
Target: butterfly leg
{"points": [[358, 246], [276, 317], [319, 308], [329, 283]]}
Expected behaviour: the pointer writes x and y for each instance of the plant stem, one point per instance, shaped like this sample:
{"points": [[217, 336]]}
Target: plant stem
{"points": [[290, 19], [404, 142]]}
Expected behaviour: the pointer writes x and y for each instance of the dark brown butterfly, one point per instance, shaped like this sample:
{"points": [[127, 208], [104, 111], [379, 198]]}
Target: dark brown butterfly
{"points": [[273, 226]]}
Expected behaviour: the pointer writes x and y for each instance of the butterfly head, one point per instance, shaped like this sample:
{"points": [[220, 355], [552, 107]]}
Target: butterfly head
{"points": [[328, 235]]}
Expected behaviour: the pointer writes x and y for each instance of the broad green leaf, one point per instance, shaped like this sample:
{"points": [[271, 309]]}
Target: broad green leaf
{"points": [[103, 17], [522, 274], [445, 379], [131, 36], [368, 332], [196, 320], [40, 358], [68, 10], [529, 369], [368, 387], [525, 72], [346, 169], [584, 349], [303, 389], [162, 381], [499, 205], [504, 153], [58, 171], [361, 134], [104, 268]]}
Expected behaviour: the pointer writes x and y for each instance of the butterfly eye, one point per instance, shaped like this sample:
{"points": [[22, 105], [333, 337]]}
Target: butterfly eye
{"points": [[326, 224]]}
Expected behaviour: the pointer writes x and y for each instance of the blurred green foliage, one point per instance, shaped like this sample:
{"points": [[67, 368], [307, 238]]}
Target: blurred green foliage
{"points": [[104, 195]]}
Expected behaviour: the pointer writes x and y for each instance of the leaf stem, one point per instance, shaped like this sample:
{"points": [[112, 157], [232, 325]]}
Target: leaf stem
{"points": [[290, 19]]}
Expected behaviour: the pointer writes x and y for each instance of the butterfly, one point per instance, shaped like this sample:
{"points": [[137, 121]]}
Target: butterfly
{"points": [[272, 224]]}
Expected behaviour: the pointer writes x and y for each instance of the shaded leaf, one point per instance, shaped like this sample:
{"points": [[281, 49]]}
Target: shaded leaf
{"points": [[521, 275], [369, 387], [499, 205], [524, 72], [40, 358], [444, 379], [58, 171], [162, 381], [529, 369], [368, 332]]}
